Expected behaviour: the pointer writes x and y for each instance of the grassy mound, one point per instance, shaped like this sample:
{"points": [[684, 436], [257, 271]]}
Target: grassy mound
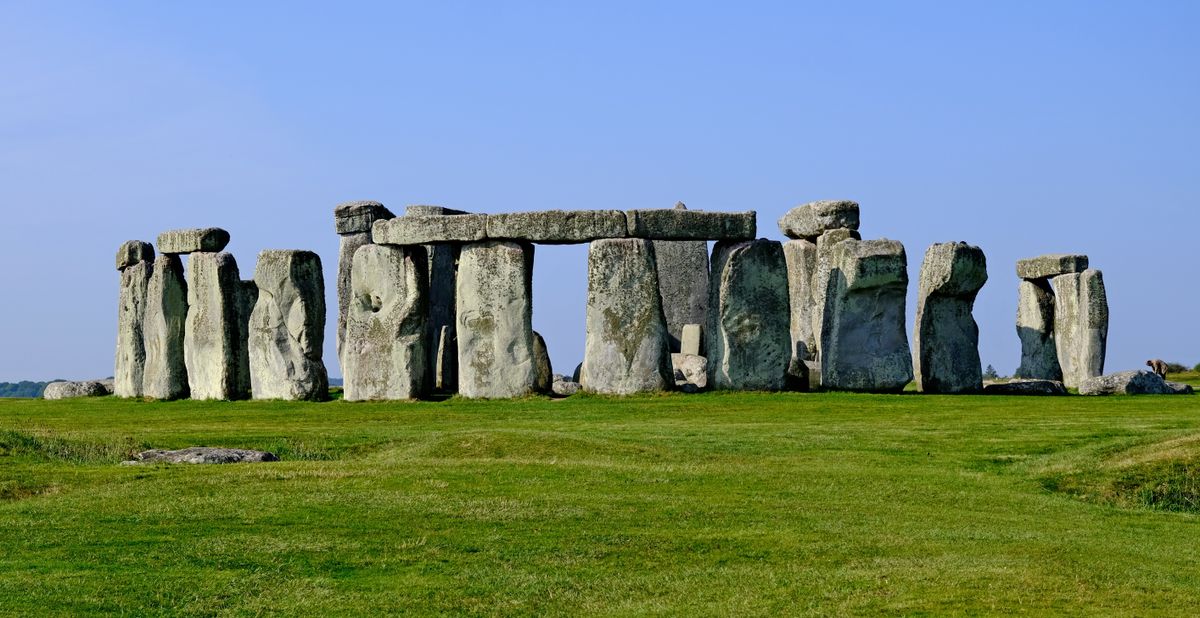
{"points": [[1163, 475]]}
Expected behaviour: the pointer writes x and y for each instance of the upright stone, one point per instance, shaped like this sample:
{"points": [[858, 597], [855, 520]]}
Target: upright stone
{"points": [[130, 361], [211, 339], [946, 340], [748, 337], [442, 260], [165, 373], [287, 327], [682, 268], [494, 303], [445, 367], [1080, 325], [247, 298], [864, 345], [825, 244], [808, 221], [353, 222], [543, 371], [626, 349], [801, 259], [384, 353], [1035, 327], [689, 342]]}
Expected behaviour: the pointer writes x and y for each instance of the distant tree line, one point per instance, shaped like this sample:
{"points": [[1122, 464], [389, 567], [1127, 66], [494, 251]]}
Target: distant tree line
{"points": [[23, 389]]}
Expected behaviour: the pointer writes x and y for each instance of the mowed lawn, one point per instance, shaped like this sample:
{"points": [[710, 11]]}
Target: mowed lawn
{"points": [[711, 504]]}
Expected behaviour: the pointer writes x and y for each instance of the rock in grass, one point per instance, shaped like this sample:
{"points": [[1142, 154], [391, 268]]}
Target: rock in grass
{"points": [[287, 327], [71, 390], [1035, 328], [565, 388], [384, 356], [211, 239], [946, 337], [864, 345], [1136, 382], [747, 340], [1051, 265], [814, 218], [627, 349], [201, 455], [494, 303], [1025, 387], [1080, 325], [165, 373]]}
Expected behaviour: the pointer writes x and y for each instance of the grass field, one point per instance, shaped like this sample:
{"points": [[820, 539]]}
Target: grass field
{"points": [[712, 504]]}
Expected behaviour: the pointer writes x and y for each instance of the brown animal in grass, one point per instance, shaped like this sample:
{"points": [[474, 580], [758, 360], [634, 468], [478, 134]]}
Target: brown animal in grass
{"points": [[1157, 366]]}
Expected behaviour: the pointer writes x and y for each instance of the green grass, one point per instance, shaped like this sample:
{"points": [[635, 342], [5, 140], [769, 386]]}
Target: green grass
{"points": [[713, 504]]}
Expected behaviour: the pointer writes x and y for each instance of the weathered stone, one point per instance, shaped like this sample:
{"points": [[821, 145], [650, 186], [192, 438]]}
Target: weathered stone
{"points": [[682, 268], [1035, 327], [130, 361], [445, 366], [627, 349], [946, 337], [693, 335], [1179, 388], [165, 373], [358, 217], [557, 226], [71, 390], [565, 388], [133, 251], [543, 371], [825, 244], [1136, 382], [385, 356], [801, 259], [747, 337], [576, 374], [683, 224], [212, 339], [246, 299], [442, 260], [423, 230], [864, 346], [1080, 325], [421, 210], [813, 373], [693, 368], [1051, 265], [287, 327], [1025, 387], [348, 244], [495, 320], [210, 239], [810, 220], [201, 455]]}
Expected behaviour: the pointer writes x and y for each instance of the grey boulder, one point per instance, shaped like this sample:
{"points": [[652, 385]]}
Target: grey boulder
{"points": [[287, 327], [565, 388], [1135, 382], [71, 390], [747, 340], [946, 337], [201, 455], [210, 239], [691, 368], [814, 218]]}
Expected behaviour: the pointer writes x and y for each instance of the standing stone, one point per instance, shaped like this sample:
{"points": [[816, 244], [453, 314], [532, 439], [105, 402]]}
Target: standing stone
{"points": [[287, 327], [825, 244], [247, 297], [445, 378], [384, 353], [1080, 325], [494, 303], [353, 222], [682, 268], [442, 260], [165, 373], [627, 349], [801, 259], [543, 370], [130, 363], [946, 340], [692, 337], [1035, 327], [133, 251], [748, 337], [212, 338], [810, 220], [864, 345]]}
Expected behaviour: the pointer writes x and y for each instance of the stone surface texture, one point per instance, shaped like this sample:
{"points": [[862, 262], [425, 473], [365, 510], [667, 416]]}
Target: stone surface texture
{"points": [[385, 350], [426, 229], [691, 368], [1051, 265], [210, 239], [747, 339], [801, 259], [165, 373], [247, 298], [71, 390], [1136, 382], [1035, 328], [683, 224], [946, 337], [201, 455], [825, 244], [212, 339], [682, 268], [810, 220], [1025, 387], [543, 371], [347, 245], [565, 388], [692, 338], [130, 361], [1080, 325], [495, 320], [627, 349], [864, 345], [133, 251], [358, 217], [287, 327], [557, 226], [445, 366]]}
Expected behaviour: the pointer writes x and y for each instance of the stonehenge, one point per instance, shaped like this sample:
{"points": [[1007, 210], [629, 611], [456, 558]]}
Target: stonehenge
{"points": [[946, 337], [1062, 319], [440, 300]]}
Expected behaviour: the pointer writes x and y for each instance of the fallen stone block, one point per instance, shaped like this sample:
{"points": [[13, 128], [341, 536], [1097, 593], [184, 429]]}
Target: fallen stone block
{"points": [[808, 221], [682, 224], [209, 239], [287, 327], [565, 388], [1136, 382], [692, 368], [71, 390], [201, 455], [1051, 265], [946, 337], [747, 339], [1025, 387], [557, 226], [357, 217]]}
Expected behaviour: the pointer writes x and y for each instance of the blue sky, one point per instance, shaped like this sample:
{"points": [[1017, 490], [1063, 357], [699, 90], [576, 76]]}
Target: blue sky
{"points": [[1021, 127]]}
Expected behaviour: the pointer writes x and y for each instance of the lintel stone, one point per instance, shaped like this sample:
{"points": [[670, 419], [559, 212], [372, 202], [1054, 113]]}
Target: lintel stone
{"points": [[209, 239]]}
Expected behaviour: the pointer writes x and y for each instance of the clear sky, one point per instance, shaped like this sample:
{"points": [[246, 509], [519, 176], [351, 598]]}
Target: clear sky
{"points": [[1021, 127]]}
